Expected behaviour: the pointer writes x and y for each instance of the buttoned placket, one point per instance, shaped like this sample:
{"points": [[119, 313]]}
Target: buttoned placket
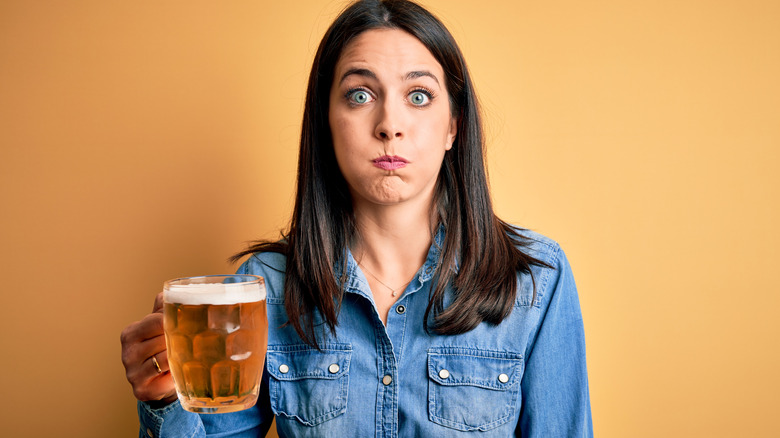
{"points": [[387, 401], [386, 409], [390, 341], [392, 336]]}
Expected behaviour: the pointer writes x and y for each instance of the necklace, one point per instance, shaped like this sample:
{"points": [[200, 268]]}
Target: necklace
{"points": [[393, 290]]}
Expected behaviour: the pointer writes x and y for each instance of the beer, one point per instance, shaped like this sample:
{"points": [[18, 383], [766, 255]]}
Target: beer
{"points": [[216, 335]]}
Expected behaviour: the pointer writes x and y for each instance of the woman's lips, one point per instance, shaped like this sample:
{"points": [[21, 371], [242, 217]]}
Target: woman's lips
{"points": [[388, 162]]}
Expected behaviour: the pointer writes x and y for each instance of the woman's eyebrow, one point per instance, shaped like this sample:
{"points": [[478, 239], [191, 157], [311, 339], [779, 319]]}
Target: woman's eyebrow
{"points": [[420, 73], [366, 73]]}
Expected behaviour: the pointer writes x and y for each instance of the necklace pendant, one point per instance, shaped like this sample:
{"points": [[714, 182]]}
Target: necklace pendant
{"points": [[394, 293]]}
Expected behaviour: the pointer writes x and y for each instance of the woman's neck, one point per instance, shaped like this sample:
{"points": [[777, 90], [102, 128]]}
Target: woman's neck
{"points": [[392, 241]]}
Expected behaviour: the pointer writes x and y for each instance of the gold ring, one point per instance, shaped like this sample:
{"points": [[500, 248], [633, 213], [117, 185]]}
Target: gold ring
{"points": [[156, 364]]}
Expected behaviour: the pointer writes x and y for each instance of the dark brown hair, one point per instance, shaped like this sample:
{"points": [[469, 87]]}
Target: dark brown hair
{"points": [[322, 225]]}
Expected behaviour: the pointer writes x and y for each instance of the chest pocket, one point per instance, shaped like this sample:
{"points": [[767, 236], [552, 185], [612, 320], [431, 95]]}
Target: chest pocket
{"points": [[308, 385], [470, 389]]}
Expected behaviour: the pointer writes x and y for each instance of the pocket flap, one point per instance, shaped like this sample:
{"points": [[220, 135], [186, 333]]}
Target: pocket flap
{"points": [[295, 362], [455, 366]]}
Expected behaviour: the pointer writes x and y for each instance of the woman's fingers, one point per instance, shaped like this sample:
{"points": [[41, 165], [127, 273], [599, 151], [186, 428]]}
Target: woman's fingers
{"points": [[158, 387], [139, 359], [149, 327], [155, 384], [159, 362], [145, 359], [158, 303], [148, 381]]}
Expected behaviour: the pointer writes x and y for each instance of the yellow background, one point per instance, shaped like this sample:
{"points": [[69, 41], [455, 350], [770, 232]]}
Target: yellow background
{"points": [[145, 140]]}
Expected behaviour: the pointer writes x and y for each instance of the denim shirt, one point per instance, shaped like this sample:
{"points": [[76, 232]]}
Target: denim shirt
{"points": [[524, 377]]}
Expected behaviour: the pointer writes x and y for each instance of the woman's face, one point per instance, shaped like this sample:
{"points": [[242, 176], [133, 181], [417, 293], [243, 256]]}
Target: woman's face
{"points": [[390, 118]]}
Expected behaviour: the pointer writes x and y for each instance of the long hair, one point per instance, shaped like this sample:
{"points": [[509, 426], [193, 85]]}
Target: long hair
{"points": [[485, 248]]}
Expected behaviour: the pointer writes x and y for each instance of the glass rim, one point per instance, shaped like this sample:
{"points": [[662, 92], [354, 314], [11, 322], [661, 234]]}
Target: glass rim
{"points": [[253, 279]]}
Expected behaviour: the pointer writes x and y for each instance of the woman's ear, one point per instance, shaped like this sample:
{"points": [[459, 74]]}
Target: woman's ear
{"points": [[453, 132]]}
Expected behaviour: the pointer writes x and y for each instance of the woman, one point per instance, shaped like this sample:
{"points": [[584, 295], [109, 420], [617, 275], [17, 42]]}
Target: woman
{"points": [[442, 319]]}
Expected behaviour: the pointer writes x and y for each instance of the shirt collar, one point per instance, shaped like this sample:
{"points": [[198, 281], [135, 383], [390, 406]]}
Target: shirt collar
{"points": [[356, 282]]}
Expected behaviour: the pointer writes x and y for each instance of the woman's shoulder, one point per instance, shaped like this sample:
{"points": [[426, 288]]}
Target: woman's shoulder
{"points": [[271, 266], [554, 272], [267, 260], [536, 245]]}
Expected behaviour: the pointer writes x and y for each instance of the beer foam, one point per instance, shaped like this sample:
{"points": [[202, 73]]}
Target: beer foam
{"points": [[196, 294]]}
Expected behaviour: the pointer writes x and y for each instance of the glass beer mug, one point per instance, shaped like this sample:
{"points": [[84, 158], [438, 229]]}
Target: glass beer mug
{"points": [[216, 333]]}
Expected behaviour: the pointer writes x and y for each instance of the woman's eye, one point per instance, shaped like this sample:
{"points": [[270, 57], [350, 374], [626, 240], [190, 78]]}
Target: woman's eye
{"points": [[419, 98], [359, 97]]}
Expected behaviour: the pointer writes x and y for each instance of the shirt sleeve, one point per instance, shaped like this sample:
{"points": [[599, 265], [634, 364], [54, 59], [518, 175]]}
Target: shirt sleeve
{"points": [[173, 421], [555, 396], [168, 422]]}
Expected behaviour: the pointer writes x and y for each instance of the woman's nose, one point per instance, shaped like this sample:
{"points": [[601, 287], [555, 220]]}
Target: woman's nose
{"points": [[390, 123]]}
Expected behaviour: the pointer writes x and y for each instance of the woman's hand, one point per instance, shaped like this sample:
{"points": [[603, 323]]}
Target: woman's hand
{"points": [[143, 344]]}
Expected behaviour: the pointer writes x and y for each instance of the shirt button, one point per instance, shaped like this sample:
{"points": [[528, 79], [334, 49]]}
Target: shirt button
{"points": [[503, 378], [284, 369], [428, 270], [444, 374], [149, 432], [400, 309], [333, 368], [386, 380]]}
